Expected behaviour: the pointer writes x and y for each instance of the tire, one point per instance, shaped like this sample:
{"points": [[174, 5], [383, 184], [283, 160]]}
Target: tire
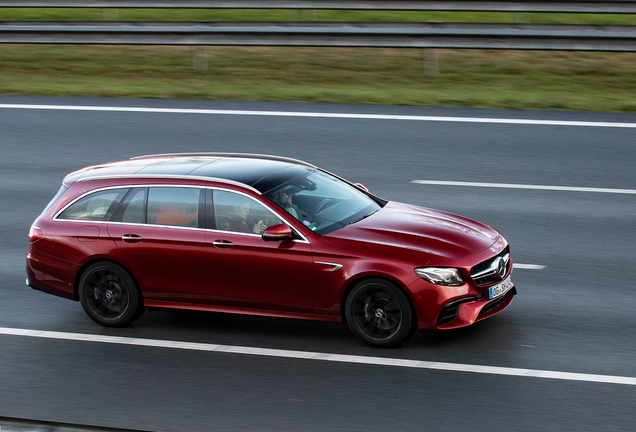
{"points": [[379, 313], [140, 311], [109, 295]]}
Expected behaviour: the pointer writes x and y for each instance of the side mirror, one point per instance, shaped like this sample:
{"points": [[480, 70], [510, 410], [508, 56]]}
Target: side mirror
{"points": [[361, 186], [277, 232]]}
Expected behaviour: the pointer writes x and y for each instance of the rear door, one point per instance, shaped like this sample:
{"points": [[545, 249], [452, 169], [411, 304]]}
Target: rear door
{"points": [[160, 231]]}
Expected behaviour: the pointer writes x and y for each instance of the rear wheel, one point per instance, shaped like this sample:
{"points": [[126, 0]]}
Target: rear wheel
{"points": [[379, 313], [109, 295]]}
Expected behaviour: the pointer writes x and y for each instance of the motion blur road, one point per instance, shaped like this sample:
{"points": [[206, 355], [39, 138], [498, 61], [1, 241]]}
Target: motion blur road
{"points": [[574, 312]]}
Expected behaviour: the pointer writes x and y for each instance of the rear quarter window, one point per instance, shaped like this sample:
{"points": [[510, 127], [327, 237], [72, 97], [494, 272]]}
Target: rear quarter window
{"points": [[98, 206]]}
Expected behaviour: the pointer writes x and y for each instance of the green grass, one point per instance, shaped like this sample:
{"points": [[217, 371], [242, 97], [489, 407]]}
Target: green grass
{"points": [[57, 14], [468, 78]]}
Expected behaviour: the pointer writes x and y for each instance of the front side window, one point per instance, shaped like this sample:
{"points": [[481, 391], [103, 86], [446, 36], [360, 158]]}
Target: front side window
{"points": [[238, 213], [98, 206], [173, 206]]}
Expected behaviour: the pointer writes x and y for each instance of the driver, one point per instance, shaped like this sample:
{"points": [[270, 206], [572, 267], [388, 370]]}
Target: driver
{"points": [[283, 197]]}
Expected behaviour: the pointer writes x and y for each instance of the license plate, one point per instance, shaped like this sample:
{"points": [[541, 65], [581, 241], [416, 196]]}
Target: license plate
{"points": [[500, 289]]}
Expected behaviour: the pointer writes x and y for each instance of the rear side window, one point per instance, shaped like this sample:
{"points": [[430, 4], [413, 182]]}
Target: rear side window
{"points": [[98, 206], [175, 206], [133, 209]]}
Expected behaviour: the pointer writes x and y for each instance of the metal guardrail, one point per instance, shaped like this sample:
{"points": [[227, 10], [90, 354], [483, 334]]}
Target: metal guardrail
{"points": [[555, 6], [331, 34], [395, 35]]}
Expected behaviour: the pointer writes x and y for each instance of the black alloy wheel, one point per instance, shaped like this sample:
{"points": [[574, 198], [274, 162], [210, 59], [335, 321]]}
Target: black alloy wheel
{"points": [[109, 295], [379, 313]]}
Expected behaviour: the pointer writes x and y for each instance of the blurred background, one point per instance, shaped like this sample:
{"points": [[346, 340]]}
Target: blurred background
{"points": [[580, 74]]}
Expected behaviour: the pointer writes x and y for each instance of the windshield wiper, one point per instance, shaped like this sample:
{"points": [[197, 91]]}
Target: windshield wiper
{"points": [[363, 217]]}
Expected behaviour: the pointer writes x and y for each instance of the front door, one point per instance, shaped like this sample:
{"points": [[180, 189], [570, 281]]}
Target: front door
{"points": [[248, 272]]}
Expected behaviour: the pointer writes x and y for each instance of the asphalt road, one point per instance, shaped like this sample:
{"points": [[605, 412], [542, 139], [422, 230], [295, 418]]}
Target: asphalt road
{"points": [[575, 315]]}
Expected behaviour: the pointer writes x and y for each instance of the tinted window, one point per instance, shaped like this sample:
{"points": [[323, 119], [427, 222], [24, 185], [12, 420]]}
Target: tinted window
{"points": [[238, 213], [98, 206], [322, 202], [133, 209], [173, 206]]}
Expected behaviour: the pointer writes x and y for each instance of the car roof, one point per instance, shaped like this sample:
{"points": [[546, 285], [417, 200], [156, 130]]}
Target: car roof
{"points": [[258, 172]]}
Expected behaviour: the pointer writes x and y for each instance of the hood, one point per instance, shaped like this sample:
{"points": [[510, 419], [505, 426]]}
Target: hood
{"points": [[439, 235]]}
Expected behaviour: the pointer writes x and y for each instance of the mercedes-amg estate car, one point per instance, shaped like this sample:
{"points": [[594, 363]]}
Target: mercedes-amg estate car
{"points": [[262, 235]]}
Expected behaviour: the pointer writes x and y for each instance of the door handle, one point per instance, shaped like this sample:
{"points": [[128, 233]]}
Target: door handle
{"points": [[223, 243], [131, 238]]}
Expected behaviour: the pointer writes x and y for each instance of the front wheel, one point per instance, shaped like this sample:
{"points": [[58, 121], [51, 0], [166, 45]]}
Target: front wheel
{"points": [[109, 295], [379, 313]]}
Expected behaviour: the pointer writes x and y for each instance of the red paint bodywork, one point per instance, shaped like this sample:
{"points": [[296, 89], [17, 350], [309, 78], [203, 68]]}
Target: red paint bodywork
{"points": [[205, 269]]}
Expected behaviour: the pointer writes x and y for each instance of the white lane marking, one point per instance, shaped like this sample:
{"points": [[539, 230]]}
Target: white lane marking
{"points": [[528, 266], [325, 115], [524, 186], [308, 355]]}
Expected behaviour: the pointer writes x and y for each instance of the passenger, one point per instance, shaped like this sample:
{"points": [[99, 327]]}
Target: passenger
{"points": [[236, 220]]}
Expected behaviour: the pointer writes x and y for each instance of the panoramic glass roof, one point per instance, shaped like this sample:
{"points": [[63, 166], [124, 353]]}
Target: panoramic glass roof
{"points": [[262, 174]]}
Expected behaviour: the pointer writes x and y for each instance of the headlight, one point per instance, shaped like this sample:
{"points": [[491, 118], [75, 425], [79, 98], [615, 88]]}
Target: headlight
{"points": [[440, 276]]}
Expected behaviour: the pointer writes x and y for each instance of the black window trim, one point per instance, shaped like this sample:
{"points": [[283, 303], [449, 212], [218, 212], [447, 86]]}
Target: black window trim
{"points": [[210, 222], [201, 209]]}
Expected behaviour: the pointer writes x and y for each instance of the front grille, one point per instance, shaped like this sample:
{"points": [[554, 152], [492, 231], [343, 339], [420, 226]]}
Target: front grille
{"points": [[485, 273]]}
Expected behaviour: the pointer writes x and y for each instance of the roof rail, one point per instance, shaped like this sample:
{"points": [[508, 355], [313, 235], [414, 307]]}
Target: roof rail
{"points": [[229, 155], [169, 176]]}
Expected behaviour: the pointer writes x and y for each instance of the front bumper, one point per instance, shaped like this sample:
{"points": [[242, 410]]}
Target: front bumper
{"points": [[447, 307], [468, 310]]}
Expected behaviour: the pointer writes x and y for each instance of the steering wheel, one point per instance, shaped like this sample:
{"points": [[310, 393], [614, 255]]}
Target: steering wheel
{"points": [[321, 205]]}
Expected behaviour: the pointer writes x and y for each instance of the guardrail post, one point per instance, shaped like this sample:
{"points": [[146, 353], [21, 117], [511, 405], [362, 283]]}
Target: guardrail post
{"points": [[431, 62], [199, 58], [111, 14]]}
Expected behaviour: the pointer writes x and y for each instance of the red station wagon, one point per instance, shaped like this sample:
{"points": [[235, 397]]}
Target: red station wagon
{"points": [[262, 235]]}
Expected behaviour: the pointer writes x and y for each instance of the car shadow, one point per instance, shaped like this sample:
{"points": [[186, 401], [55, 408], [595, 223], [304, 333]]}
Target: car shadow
{"points": [[296, 334]]}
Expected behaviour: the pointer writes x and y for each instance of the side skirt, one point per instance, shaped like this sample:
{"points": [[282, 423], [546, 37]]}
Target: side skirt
{"points": [[156, 304]]}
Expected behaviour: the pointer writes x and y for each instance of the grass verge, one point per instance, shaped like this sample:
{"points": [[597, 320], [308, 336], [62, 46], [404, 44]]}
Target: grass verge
{"points": [[98, 14], [468, 78]]}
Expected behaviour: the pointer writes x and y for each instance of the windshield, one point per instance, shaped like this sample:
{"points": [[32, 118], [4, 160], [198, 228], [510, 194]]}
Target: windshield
{"points": [[322, 202]]}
